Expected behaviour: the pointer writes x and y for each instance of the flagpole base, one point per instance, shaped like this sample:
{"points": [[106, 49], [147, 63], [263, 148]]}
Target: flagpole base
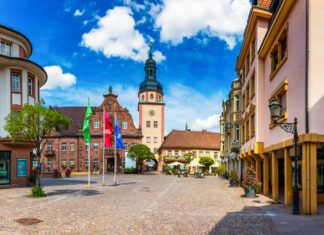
{"points": [[103, 184], [115, 182], [88, 185]]}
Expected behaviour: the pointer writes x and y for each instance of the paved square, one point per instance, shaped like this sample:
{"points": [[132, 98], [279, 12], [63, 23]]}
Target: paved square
{"points": [[141, 204]]}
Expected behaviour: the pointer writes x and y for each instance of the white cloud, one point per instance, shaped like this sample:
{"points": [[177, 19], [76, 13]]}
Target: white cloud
{"points": [[158, 56], [181, 19], [210, 122], [56, 78], [116, 36], [134, 5], [78, 12]]}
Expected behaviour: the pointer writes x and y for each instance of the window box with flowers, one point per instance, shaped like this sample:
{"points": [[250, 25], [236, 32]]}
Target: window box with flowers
{"points": [[250, 182]]}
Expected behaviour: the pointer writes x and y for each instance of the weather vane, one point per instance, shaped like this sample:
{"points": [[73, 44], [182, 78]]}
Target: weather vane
{"points": [[151, 40]]}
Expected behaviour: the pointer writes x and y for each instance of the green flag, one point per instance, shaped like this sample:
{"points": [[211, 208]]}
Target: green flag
{"points": [[86, 124]]}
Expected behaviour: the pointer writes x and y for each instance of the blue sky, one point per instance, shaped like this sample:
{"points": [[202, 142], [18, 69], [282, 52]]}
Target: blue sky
{"points": [[86, 46]]}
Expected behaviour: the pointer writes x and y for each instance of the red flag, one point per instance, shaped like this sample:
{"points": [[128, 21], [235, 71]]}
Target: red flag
{"points": [[108, 130]]}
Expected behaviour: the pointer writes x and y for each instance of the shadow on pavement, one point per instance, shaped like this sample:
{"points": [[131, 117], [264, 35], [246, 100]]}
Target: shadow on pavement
{"points": [[250, 220], [86, 192], [126, 183], [58, 182]]}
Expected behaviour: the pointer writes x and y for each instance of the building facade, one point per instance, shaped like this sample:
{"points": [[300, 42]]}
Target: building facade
{"points": [[20, 81], [230, 129], [281, 58], [151, 108], [199, 143], [68, 148]]}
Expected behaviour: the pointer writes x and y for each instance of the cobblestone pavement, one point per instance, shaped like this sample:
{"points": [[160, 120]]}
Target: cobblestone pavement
{"points": [[141, 204]]}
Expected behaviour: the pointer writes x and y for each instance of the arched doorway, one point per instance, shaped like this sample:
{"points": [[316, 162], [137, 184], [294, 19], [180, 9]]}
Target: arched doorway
{"points": [[151, 165]]}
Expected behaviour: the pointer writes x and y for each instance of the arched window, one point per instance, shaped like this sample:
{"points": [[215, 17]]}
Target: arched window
{"points": [[151, 72], [142, 97], [160, 98], [152, 96], [154, 72]]}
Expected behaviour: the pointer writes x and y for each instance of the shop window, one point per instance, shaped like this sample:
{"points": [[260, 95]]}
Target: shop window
{"points": [[320, 168]]}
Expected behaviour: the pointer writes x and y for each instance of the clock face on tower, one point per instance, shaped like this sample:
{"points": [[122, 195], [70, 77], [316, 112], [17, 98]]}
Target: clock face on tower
{"points": [[151, 112]]}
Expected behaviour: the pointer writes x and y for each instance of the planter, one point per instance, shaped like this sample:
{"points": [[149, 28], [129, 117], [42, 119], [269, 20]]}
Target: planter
{"points": [[250, 192], [233, 184]]}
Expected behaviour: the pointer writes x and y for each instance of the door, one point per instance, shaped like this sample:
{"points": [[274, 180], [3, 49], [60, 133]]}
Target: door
{"points": [[5, 166], [110, 164]]}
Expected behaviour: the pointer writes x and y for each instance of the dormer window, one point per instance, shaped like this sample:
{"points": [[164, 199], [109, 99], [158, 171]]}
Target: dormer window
{"points": [[5, 48]]}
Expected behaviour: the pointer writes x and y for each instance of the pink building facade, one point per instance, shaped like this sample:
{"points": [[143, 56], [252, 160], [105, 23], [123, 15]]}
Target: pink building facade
{"points": [[274, 64]]}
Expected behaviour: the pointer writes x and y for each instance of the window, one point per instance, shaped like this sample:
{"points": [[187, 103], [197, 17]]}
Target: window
{"points": [[148, 124], [253, 50], [247, 130], [72, 147], [283, 102], [110, 148], [243, 102], [30, 86], [207, 154], [148, 139], [63, 147], [124, 125], [151, 72], [64, 163], [177, 153], [155, 124], [183, 153], [15, 82], [215, 155], [237, 103], [95, 162], [274, 59], [155, 150], [247, 95], [247, 63], [194, 153], [5, 48], [237, 132], [252, 125], [133, 144], [49, 147], [283, 44], [152, 96], [243, 134], [87, 146], [86, 162], [109, 101], [95, 146], [252, 85], [72, 164], [155, 140], [96, 124], [49, 163], [169, 153], [201, 154], [142, 97], [160, 98], [125, 146]]}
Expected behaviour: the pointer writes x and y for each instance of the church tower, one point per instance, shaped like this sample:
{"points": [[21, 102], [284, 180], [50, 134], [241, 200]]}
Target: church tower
{"points": [[151, 107]]}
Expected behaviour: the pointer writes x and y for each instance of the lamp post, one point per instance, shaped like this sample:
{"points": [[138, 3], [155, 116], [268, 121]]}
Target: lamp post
{"points": [[275, 110]]}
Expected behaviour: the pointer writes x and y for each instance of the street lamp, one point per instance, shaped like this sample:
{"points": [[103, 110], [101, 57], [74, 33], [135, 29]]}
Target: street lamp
{"points": [[275, 110]]}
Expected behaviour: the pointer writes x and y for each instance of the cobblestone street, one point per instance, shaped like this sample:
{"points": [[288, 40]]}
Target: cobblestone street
{"points": [[141, 204]]}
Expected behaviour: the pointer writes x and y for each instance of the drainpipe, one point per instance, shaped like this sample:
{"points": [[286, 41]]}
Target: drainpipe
{"points": [[307, 68]]}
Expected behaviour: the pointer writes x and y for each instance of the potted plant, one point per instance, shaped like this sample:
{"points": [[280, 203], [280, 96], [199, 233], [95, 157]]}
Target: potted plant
{"points": [[250, 182], [96, 167], [68, 172], [56, 173], [233, 178]]}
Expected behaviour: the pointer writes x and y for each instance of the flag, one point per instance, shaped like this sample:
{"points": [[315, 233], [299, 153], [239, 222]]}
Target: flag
{"points": [[119, 141], [108, 130], [86, 126]]}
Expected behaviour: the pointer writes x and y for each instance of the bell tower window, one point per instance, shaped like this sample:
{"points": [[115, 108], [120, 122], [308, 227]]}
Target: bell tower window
{"points": [[152, 96], [151, 72], [142, 97]]}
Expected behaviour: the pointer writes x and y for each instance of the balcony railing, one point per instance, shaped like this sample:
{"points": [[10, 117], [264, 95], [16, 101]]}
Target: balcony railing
{"points": [[50, 153]]}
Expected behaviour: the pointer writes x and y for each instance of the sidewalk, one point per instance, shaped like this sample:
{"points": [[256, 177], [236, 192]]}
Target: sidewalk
{"points": [[286, 223]]}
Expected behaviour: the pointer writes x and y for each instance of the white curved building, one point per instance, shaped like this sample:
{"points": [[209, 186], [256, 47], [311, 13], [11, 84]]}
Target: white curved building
{"points": [[20, 81]]}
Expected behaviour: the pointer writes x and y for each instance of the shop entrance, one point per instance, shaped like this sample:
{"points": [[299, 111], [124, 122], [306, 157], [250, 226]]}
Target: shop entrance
{"points": [[5, 167], [110, 164]]}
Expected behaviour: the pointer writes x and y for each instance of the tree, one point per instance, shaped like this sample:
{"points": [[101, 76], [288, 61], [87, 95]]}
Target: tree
{"points": [[140, 152], [188, 157], [34, 124], [206, 161]]}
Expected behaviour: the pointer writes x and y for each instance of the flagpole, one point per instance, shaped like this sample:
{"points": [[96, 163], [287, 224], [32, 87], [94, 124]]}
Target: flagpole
{"points": [[115, 167], [103, 147], [89, 185]]}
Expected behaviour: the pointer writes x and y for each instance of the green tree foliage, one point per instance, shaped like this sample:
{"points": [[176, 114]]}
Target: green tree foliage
{"points": [[140, 152], [34, 124], [188, 157], [206, 161]]}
